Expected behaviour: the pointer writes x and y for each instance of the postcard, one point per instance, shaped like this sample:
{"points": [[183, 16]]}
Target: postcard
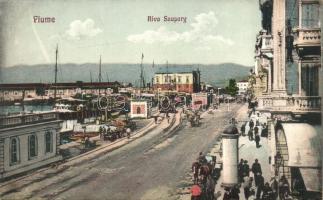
{"points": [[161, 99]]}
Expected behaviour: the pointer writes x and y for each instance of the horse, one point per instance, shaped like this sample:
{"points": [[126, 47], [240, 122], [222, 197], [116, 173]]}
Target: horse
{"points": [[195, 169], [205, 171]]}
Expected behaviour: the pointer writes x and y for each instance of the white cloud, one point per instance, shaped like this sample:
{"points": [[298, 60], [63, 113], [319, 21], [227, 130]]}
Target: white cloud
{"points": [[202, 32], [79, 29]]}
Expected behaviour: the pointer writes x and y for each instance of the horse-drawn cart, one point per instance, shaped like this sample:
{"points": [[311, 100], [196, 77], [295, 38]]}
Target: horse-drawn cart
{"points": [[116, 130], [193, 117]]}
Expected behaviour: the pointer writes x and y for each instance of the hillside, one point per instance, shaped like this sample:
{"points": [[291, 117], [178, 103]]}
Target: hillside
{"points": [[215, 74]]}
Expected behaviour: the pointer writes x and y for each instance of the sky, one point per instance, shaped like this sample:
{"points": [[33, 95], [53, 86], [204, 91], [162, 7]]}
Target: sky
{"points": [[216, 31]]}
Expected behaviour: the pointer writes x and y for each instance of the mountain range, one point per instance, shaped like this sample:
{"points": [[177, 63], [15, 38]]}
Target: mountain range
{"points": [[215, 74]]}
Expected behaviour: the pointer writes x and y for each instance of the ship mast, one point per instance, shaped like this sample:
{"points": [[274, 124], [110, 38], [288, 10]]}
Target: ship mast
{"points": [[100, 76], [142, 80], [167, 79], [55, 72]]}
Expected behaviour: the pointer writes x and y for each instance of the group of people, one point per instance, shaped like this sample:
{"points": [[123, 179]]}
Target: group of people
{"points": [[203, 178], [256, 188], [253, 133]]}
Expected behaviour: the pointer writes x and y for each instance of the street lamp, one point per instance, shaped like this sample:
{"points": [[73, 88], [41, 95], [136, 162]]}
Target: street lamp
{"points": [[279, 161]]}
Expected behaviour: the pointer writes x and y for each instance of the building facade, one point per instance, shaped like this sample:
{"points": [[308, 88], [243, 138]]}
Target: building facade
{"points": [[286, 86], [27, 91], [186, 82], [27, 142], [243, 87]]}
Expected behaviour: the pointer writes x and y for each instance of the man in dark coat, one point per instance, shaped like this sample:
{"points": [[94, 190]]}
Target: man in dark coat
{"points": [[257, 140], [261, 182], [256, 168], [245, 168], [251, 124], [240, 170]]}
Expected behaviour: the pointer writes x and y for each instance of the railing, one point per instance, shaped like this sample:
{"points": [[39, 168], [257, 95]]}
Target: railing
{"points": [[293, 104], [308, 37], [23, 119]]}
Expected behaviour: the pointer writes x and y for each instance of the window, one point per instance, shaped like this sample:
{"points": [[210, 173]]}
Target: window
{"points": [[157, 79], [187, 79], [310, 15], [48, 142], [310, 80], [32, 141], [14, 151], [179, 79]]}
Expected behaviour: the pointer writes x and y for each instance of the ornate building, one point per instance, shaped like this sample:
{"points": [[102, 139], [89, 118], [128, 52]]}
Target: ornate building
{"points": [[288, 56]]}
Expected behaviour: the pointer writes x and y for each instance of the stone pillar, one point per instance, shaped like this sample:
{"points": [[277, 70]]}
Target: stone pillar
{"points": [[230, 138], [279, 82], [299, 78]]}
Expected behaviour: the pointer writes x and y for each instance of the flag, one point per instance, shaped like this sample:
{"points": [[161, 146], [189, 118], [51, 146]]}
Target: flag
{"points": [[142, 56]]}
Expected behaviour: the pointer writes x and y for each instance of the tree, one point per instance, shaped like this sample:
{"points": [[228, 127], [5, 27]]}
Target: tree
{"points": [[232, 89]]}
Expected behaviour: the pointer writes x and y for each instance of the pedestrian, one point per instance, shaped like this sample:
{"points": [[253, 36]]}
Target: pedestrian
{"points": [[252, 195], [235, 191], [274, 187], [283, 187], [256, 130], [226, 195], [261, 182], [250, 135], [267, 192], [196, 192], [257, 122], [210, 186], [202, 158], [245, 168], [168, 117], [156, 119], [247, 184], [251, 124], [264, 131], [240, 170], [128, 131], [256, 168], [257, 139], [243, 129]]}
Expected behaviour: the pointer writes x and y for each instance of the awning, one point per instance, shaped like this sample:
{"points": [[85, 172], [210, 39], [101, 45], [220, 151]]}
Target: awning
{"points": [[304, 152], [304, 146], [312, 179]]}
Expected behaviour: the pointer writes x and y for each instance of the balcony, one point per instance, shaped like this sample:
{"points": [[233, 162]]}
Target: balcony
{"points": [[308, 41], [267, 44], [308, 37], [297, 105]]}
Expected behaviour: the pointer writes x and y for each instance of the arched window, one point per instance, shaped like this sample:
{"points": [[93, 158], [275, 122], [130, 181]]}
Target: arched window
{"points": [[48, 142], [32, 146], [14, 150]]}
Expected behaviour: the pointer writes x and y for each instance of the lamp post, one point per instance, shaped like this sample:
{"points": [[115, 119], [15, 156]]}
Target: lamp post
{"points": [[279, 162]]}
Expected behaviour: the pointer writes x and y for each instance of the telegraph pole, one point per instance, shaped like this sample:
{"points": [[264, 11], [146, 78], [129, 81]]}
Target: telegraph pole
{"points": [[100, 75], [55, 72]]}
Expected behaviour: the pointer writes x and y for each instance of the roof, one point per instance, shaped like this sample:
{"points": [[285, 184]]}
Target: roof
{"points": [[175, 69]]}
